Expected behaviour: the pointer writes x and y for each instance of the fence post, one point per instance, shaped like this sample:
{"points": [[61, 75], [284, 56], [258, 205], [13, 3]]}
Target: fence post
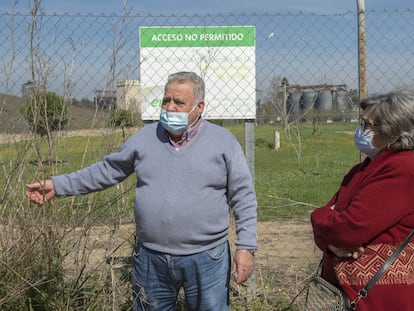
{"points": [[249, 149], [249, 144], [277, 140], [362, 66], [284, 113]]}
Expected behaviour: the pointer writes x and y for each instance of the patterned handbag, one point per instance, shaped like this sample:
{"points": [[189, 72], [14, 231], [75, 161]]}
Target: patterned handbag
{"points": [[320, 295]]}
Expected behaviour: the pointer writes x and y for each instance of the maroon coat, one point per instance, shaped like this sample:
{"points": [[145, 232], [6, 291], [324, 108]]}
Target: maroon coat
{"points": [[374, 208]]}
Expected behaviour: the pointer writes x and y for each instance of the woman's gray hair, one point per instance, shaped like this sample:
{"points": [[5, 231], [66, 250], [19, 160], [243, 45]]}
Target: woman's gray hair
{"points": [[393, 117], [185, 76]]}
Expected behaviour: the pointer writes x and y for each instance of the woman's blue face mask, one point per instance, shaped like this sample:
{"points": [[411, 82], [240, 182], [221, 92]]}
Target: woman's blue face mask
{"points": [[363, 141]]}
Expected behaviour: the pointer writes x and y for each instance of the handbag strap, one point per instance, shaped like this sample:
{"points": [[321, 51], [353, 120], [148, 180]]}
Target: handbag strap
{"points": [[364, 291]]}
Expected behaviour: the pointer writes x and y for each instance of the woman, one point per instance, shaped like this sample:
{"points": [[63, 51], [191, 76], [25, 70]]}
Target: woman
{"points": [[373, 210]]}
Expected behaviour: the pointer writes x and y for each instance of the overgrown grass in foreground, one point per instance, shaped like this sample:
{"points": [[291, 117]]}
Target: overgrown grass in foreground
{"points": [[46, 259]]}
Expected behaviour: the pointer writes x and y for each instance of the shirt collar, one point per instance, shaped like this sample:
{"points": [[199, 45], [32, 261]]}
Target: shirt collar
{"points": [[188, 134]]}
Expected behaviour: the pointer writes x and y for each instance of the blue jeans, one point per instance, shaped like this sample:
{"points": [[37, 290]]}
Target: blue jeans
{"points": [[157, 279]]}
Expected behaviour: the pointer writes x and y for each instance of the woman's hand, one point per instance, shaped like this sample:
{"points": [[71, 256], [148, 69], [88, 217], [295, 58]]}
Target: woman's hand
{"points": [[353, 253]]}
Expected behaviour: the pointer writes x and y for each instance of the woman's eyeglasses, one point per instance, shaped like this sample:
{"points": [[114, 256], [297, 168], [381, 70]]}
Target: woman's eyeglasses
{"points": [[367, 126]]}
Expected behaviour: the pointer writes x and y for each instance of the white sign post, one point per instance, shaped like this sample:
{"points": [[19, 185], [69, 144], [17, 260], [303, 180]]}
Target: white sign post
{"points": [[224, 56]]}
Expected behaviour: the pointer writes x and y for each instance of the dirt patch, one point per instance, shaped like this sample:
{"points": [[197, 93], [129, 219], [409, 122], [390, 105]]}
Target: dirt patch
{"points": [[286, 256], [15, 137]]}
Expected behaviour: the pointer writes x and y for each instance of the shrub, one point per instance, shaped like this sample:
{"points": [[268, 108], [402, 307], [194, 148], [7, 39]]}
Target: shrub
{"points": [[121, 118], [45, 112]]}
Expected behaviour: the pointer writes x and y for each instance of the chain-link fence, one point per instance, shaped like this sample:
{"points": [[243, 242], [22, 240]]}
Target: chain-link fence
{"points": [[302, 60], [306, 65]]}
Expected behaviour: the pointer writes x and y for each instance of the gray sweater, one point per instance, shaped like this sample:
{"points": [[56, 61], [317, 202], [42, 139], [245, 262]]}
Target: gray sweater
{"points": [[182, 198]]}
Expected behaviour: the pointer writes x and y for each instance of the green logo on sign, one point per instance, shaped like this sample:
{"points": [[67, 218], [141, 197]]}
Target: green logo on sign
{"points": [[156, 103]]}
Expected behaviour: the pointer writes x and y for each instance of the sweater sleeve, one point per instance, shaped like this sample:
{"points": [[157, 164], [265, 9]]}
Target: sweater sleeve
{"points": [[113, 169], [320, 240], [375, 201], [242, 199]]}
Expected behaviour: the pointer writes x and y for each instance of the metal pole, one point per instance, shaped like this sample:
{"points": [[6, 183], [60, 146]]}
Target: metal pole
{"points": [[249, 149], [285, 83], [249, 144]]}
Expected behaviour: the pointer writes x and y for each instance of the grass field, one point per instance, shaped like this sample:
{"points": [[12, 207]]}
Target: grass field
{"points": [[37, 243]]}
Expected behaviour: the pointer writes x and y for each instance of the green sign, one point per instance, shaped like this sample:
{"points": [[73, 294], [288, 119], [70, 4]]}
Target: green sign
{"points": [[223, 55], [228, 36]]}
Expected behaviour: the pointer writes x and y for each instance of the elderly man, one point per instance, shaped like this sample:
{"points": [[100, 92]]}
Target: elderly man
{"points": [[190, 174]]}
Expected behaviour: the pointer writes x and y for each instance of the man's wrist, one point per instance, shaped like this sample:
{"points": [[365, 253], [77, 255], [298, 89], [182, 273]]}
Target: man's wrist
{"points": [[252, 251]]}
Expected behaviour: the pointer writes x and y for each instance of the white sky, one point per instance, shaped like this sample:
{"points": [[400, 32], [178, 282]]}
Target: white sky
{"points": [[180, 7]]}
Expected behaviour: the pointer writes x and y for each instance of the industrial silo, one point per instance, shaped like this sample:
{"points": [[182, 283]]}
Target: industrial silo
{"points": [[307, 104], [343, 104], [324, 101], [293, 104], [324, 105]]}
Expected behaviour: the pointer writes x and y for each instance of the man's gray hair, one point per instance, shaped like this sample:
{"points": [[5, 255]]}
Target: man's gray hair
{"points": [[393, 117], [185, 76]]}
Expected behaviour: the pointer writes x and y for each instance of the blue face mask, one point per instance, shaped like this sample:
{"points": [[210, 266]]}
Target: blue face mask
{"points": [[363, 141], [175, 122]]}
